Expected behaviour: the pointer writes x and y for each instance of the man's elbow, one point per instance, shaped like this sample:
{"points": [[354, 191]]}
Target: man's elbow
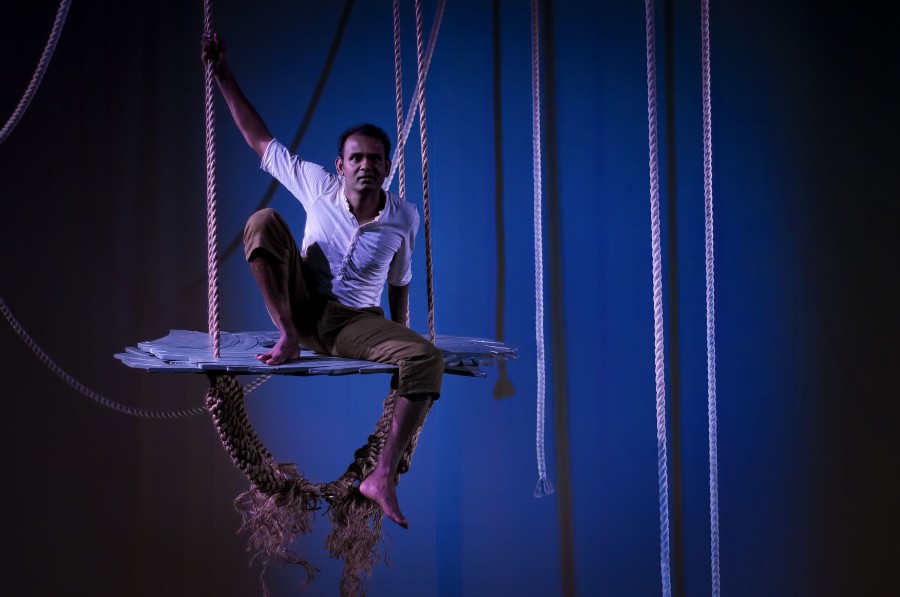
{"points": [[259, 143]]}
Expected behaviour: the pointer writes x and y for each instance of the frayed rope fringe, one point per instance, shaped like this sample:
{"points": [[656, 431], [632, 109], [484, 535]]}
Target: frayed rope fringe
{"points": [[273, 522], [281, 503]]}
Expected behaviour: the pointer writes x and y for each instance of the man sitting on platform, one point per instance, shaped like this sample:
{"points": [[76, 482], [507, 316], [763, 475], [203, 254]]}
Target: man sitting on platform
{"points": [[326, 295]]}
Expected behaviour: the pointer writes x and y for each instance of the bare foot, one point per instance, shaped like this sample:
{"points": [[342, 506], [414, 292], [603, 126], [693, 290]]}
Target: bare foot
{"points": [[384, 493], [286, 349]]}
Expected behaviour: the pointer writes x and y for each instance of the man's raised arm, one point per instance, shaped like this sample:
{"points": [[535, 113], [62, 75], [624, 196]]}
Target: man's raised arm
{"points": [[255, 131]]}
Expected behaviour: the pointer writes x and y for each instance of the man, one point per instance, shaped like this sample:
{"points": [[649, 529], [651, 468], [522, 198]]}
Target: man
{"points": [[327, 296]]}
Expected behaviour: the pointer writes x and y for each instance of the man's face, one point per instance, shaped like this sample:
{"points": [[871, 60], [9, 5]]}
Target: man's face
{"points": [[363, 165]]}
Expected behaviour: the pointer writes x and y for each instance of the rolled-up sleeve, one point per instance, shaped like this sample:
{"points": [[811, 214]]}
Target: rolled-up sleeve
{"points": [[400, 271], [305, 180]]}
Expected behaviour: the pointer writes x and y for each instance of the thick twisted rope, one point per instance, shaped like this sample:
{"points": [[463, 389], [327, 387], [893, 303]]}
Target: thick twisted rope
{"points": [[398, 92], [399, 154], [543, 485], [355, 533], [420, 83], [281, 502], [78, 386], [212, 231], [710, 303], [423, 134], [38, 75], [224, 401], [659, 345]]}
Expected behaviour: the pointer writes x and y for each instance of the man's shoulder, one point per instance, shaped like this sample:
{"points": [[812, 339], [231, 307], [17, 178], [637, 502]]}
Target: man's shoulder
{"points": [[405, 213], [277, 158]]}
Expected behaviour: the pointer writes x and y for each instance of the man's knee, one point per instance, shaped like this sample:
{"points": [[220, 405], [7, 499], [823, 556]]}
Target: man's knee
{"points": [[263, 220], [265, 230], [426, 355], [422, 372], [434, 357]]}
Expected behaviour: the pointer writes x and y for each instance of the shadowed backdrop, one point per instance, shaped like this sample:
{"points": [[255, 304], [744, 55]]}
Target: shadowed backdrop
{"points": [[103, 196]]}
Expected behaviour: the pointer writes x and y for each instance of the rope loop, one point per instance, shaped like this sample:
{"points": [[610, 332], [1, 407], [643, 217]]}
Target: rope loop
{"points": [[81, 388]]}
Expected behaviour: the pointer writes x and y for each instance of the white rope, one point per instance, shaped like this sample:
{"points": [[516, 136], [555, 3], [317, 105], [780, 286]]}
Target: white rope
{"points": [[414, 102], [544, 486], [710, 304], [659, 344], [38, 75], [398, 93]]}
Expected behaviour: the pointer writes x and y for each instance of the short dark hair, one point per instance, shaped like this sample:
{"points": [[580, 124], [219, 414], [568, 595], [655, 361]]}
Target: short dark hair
{"points": [[369, 130]]}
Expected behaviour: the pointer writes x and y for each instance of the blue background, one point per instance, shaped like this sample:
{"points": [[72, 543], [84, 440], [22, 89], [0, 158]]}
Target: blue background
{"points": [[103, 246]]}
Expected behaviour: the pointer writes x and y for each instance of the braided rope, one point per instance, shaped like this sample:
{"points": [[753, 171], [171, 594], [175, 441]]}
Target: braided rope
{"points": [[355, 534], [281, 502], [399, 154], [398, 92], [710, 303], [543, 485], [212, 232], [78, 386], [38, 75], [225, 405], [657, 303], [420, 83], [426, 199]]}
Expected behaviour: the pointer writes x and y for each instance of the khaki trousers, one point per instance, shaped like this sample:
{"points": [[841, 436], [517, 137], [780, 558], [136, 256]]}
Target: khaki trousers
{"points": [[327, 326]]}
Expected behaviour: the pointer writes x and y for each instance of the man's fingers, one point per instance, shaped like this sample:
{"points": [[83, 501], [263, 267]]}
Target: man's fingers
{"points": [[212, 48]]}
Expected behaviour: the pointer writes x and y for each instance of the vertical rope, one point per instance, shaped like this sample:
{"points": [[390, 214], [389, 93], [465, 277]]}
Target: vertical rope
{"points": [[420, 84], [212, 233], [398, 89], [423, 134], [543, 485], [399, 154], [657, 303], [710, 303], [504, 387], [38, 75]]}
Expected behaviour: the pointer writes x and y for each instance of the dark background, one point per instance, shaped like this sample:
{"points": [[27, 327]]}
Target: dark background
{"points": [[102, 186]]}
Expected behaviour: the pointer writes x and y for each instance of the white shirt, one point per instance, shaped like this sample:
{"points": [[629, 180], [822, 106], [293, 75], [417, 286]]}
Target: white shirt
{"points": [[350, 262]]}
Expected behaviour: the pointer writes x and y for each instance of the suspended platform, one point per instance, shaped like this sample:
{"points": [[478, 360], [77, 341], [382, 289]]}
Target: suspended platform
{"points": [[184, 351]]}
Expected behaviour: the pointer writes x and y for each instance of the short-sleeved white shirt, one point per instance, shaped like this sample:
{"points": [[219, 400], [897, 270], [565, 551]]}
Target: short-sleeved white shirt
{"points": [[350, 262]]}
